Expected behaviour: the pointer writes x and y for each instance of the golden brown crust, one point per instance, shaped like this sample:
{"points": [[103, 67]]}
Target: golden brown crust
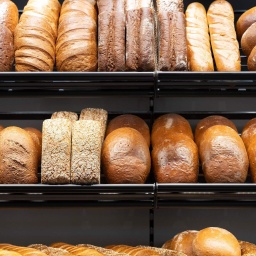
{"points": [[182, 242], [225, 46], [169, 124], [210, 121], [245, 21], [247, 247], [215, 241], [125, 157], [248, 41], [248, 132], [223, 155], [175, 160], [18, 157], [251, 61], [128, 120]]}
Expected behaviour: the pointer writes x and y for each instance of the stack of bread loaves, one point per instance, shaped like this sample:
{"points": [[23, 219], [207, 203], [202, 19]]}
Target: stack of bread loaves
{"points": [[246, 29], [174, 154], [19, 155], [125, 151], [71, 148], [172, 45], [222, 152], [9, 17], [111, 35], [76, 46], [35, 36], [140, 36]]}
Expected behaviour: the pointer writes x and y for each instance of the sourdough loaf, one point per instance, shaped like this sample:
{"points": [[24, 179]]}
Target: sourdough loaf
{"points": [[111, 35], [76, 46], [140, 36], [35, 36], [56, 151], [86, 152], [175, 160], [172, 45], [223, 155], [125, 157], [7, 49], [9, 15], [167, 124], [198, 40], [215, 241], [225, 46], [129, 120], [18, 157]]}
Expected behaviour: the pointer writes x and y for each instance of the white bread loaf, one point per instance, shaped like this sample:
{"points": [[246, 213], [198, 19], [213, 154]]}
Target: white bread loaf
{"points": [[198, 40], [225, 46], [56, 151], [86, 152]]}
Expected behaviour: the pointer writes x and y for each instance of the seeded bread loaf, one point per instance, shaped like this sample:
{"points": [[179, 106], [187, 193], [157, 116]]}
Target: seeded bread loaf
{"points": [[72, 116], [56, 151]]}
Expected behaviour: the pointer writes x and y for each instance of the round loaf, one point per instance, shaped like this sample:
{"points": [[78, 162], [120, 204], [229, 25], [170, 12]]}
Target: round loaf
{"points": [[7, 49], [132, 121], [247, 247], [223, 155], [215, 241], [210, 121], [9, 253], [169, 124], [248, 132], [176, 160], [9, 15], [18, 157], [251, 150], [245, 21], [251, 61], [125, 157], [182, 242], [248, 41]]}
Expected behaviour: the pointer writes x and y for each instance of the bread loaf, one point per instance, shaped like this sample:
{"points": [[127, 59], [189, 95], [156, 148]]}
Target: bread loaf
{"points": [[182, 242], [7, 49], [125, 157], [72, 116], [248, 41], [22, 250], [245, 21], [223, 155], [35, 36], [172, 45], [50, 251], [140, 36], [251, 150], [129, 120], [9, 253], [111, 35], [247, 247], [175, 160], [210, 121], [76, 46], [9, 15], [198, 40], [169, 124], [248, 132], [18, 157], [251, 61], [86, 152], [56, 151], [96, 114], [225, 46], [215, 241]]}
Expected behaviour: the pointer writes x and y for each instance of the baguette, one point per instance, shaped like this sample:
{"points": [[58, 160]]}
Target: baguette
{"points": [[225, 46]]}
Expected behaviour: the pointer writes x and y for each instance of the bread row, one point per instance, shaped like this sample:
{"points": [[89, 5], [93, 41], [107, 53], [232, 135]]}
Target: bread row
{"points": [[89, 149], [209, 241], [123, 35]]}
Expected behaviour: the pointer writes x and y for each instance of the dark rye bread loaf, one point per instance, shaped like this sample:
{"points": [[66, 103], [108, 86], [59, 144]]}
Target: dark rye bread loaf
{"points": [[111, 35], [7, 49], [172, 46], [140, 36]]}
